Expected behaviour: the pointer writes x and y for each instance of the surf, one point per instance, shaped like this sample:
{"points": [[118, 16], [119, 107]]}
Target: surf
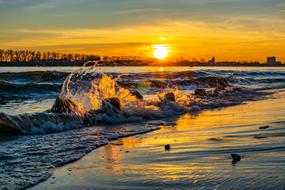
{"points": [[88, 98]]}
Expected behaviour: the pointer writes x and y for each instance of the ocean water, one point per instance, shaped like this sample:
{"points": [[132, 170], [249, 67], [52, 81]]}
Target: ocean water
{"points": [[34, 140]]}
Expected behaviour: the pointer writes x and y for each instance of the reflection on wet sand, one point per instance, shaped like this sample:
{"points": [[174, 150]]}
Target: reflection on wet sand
{"points": [[199, 157]]}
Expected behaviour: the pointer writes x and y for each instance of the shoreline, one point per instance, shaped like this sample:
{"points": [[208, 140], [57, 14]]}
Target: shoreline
{"points": [[200, 152], [80, 65]]}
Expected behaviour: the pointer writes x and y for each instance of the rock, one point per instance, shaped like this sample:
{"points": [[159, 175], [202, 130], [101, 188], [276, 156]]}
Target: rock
{"points": [[200, 92], [214, 81], [260, 136], [220, 88], [114, 102], [167, 147], [264, 127], [108, 106], [236, 158], [137, 94], [63, 105], [170, 97], [215, 93], [157, 84]]}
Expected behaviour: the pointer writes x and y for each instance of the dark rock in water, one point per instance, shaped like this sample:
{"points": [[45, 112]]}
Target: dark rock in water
{"points": [[236, 158], [137, 94], [213, 81], [218, 91], [219, 82], [220, 88], [157, 84], [63, 105], [215, 93], [264, 127], [108, 106], [167, 147], [200, 92], [114, 102], [170, 97]]}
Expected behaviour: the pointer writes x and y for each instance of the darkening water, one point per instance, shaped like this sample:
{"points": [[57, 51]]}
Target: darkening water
{"points": [[49, 140]]}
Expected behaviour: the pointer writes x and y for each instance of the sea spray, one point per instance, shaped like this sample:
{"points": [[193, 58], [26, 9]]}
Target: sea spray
{"points": [[89, 89]]}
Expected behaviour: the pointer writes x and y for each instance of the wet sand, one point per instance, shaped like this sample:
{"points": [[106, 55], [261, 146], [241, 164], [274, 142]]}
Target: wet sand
{"points": [[199, 157]]}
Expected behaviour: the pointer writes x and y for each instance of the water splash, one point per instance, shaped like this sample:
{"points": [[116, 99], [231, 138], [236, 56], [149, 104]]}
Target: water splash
{"points": [[89, 88]]}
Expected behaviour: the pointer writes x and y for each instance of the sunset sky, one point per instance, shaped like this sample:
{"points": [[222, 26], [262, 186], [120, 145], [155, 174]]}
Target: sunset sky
{"points": [[242, 30]]}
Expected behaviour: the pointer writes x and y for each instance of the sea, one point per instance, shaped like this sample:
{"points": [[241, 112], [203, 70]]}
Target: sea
{"points": [[34, 140]]}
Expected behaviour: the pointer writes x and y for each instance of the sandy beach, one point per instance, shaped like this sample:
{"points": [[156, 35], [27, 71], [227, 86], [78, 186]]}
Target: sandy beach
{"points": [[199, 157]]}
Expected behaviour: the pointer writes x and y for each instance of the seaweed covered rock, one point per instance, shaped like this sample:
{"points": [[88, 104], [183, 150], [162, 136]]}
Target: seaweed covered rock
{"points": [[63, 105]]}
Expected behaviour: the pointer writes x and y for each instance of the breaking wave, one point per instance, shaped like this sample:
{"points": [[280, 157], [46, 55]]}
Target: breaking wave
{"points": [[91, 91], [35, 76]]}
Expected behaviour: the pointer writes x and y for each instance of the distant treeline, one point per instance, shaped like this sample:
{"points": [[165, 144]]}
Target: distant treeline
{"points": [[34, 56], [49, 58]]}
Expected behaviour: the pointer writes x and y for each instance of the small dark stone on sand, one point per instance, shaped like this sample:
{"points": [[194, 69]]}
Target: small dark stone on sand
{"points": [[264, 127], [215, 139], [116, 143], [167, 147], [260, 136], [236, 158]]}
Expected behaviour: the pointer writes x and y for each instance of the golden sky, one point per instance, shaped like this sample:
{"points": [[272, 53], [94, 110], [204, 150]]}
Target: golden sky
{"points": [[240, 30]]}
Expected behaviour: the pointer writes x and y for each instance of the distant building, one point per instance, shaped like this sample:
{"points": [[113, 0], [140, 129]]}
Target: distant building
{"points": [[271, 61]]}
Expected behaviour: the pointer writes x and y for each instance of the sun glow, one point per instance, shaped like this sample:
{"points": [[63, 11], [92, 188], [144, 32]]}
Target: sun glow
{"points": [[160, 51]]}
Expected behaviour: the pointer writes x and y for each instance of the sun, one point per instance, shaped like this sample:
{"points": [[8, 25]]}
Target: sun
{"points": [[160, 51]]}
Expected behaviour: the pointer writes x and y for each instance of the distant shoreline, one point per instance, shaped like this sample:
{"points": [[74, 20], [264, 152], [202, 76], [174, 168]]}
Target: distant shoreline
{"points": [[129, 65]]}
